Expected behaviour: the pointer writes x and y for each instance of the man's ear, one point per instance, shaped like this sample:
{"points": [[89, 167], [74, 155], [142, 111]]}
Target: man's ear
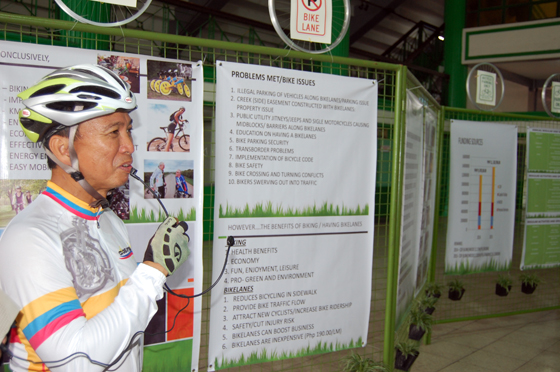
{"points": [[59, 147]]}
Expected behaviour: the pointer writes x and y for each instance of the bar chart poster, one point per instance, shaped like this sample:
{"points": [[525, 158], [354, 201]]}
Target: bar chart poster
{"points": [[295, 186], [541, 246], [483, 165]]}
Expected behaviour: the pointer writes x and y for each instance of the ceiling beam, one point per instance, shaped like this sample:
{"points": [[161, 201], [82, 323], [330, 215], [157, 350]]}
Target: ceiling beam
{"points": [[219, 14], [366, 24]]}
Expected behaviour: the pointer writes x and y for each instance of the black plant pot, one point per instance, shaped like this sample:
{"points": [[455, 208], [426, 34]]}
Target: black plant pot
{"points": [[404, 363], [415, 333], [429, 310], [456, 295], [527, 288], [433, 295], [502, 291]]}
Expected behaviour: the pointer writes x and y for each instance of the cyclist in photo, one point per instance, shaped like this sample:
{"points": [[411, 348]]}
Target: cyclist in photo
{"points": [[18, 201], [28, 197], [157, 180], [176, 119], [181, 185]]}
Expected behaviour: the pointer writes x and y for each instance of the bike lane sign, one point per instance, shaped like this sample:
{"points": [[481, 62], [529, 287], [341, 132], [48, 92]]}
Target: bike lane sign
{"points": [[311, 20]]}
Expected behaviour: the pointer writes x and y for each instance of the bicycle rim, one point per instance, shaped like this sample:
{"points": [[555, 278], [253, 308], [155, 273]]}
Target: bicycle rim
{"points": [[157, 144], [184, 142], [103, 14]]}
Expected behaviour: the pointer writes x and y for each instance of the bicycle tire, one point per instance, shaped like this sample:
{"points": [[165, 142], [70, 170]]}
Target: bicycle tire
{"points": [[152, 84], [114, 15], [180, 88], [187, 90], [157, 144], [157, 84], [165, 88], [184, 142]]}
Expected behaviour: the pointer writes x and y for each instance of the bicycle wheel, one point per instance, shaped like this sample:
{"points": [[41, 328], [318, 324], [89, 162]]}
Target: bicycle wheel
{"points": [[106, 14], [485, 86], [187, 90], [180, 88], [157, 144], [185, 142], [152, 84], [165, 88], [280, 11], [157, 84], [551, 96]]}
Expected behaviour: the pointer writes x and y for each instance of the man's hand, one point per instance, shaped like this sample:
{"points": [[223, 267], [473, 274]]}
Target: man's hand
{"points": [[169, 247]]}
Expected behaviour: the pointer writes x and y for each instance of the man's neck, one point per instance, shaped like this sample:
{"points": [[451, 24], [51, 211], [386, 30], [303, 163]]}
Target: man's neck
{"points": [[67, 183]]}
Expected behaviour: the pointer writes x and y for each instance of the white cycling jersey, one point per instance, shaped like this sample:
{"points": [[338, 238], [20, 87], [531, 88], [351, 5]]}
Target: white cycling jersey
{"points": [[72, 271]]}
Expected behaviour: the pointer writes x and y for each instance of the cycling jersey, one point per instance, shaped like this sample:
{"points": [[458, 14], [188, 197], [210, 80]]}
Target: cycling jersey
{"points": [[181, 184], [72, 271]]}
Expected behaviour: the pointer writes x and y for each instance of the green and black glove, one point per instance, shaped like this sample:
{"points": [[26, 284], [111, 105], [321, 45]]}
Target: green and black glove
{"points": [[169, 246]]}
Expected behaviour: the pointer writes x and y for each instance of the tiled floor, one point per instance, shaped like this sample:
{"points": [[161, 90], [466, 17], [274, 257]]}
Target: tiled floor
{"points": [[520, 343]]}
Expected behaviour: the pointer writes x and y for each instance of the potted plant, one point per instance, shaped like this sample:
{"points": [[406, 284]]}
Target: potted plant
{"points": [[420, 322], [529, 283], [428, 304], [456, 290], [433, 290], [503, 285], [357, 363], [406, 355]]}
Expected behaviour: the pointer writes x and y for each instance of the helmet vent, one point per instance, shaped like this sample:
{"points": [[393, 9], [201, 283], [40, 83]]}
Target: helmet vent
{"points": [[87, 96], [91, 73], [96, 90], [71, 105], [47, 90]]}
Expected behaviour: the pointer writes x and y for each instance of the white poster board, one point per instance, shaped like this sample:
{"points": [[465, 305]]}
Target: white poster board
{"points": [[541, 243], [481, 197], [411, 204], [295, 186], [24, 163]]}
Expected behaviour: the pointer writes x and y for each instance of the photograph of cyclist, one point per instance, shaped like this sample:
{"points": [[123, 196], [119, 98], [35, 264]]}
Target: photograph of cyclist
{"points": [[176, 183], [157, 180], [83, 294], [128, 69], [17, 194], [181, 186], [169, 81], [170, 132], [176, 119]]}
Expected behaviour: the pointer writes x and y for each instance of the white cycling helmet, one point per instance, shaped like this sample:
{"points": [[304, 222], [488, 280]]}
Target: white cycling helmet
{"points": [[72, 95]]}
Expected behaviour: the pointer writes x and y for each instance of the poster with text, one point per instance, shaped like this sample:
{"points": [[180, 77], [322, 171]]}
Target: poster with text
{"points": [[430, 156], [541, 246], [23, 167], [411, 204], [295, 185], [483, 166]]}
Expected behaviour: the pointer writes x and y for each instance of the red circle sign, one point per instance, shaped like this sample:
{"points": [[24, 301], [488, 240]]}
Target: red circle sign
{"points": [[312, 5]]}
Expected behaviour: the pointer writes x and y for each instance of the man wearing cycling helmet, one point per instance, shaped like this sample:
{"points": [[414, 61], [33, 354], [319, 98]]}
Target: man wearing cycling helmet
{"points": [[176, 119], [66, 260]]}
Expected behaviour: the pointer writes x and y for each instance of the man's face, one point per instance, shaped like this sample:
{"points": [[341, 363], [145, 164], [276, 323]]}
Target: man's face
{"points": [[104, 148], [162, 166], [177, 173]]}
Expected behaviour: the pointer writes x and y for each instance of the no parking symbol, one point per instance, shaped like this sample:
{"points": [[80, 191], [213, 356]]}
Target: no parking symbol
{"points": [[311, 20]]}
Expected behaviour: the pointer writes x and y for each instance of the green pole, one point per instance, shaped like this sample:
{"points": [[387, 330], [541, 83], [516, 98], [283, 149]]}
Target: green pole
{"points": [[454, 24], [394, 219]]}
